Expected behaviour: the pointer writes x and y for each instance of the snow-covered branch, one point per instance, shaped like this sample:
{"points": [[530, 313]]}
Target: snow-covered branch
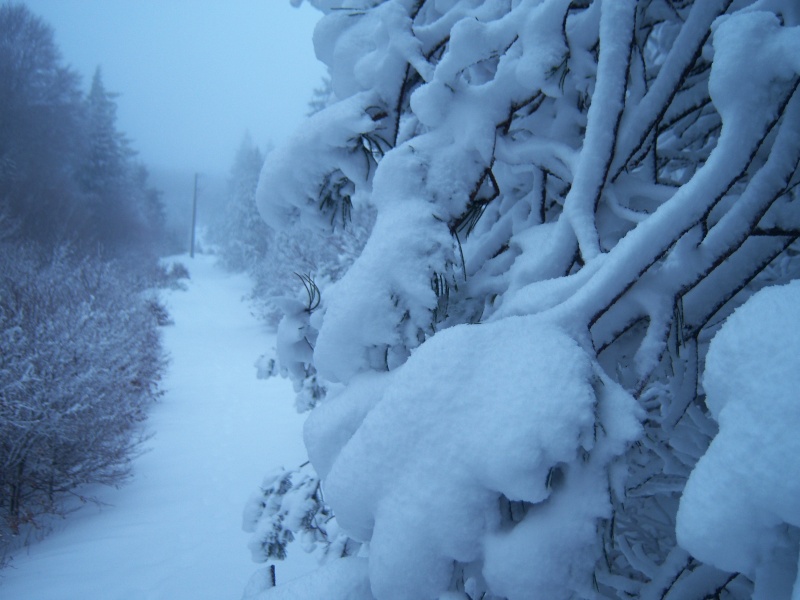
{"points": [[575, 195]]}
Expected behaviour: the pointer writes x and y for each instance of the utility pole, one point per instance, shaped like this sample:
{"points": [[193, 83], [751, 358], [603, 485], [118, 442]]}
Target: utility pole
{"points": [[194, 216]]}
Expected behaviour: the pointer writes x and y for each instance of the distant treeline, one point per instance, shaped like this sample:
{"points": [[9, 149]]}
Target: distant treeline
{"points": [[66, 173]]}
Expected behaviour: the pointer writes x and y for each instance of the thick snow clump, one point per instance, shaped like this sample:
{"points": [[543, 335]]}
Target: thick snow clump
{"points": [[741, 507], [418, 461]]}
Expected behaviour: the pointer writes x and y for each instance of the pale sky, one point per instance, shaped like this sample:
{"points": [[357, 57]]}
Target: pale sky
{"points": [[193, 75]]}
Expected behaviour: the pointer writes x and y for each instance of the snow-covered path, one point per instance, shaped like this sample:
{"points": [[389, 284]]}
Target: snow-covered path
{"points": [[174, 531]]}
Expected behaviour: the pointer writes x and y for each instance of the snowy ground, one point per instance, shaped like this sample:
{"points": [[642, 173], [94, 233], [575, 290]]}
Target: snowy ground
{"points": [[174, 531]]}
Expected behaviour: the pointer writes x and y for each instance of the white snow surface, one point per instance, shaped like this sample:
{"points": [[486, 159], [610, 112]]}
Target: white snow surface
{"points": [[414, 461], [740, 509], [174, 531], [342, 579]]}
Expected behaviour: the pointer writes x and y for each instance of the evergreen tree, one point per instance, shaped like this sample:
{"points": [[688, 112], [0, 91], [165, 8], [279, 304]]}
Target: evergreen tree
{"points": [[108, 152], [321, 97], [243, 236], [40, 128], [108, 176], [66, 171], [124, 213]]}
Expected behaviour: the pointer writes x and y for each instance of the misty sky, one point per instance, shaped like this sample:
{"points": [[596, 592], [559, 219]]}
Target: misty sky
{"points": [[193, 75]]}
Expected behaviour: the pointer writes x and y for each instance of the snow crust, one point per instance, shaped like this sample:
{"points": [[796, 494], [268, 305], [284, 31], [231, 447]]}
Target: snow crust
{"points": [[740, 509]]}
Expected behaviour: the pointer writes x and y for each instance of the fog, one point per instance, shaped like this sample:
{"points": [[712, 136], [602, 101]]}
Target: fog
{"points": [[192, 77]]}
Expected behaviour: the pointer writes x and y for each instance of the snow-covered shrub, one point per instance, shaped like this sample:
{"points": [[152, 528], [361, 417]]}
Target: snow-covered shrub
{"points": [[570, 196], [80, 363], [290, 502], [169, 275]]}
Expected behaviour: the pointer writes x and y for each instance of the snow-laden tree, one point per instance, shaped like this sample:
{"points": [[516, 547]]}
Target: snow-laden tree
{"points": [[571, 196], [242, 236], [277, 260]]}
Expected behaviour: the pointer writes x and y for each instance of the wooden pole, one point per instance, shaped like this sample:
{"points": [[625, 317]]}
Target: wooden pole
{"points": [[194, 216]]}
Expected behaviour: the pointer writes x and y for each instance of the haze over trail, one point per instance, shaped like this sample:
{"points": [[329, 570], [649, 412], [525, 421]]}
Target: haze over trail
{"points": [[192, 76]]}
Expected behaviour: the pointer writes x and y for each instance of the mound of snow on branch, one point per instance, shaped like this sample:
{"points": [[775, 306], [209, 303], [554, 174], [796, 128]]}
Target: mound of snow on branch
{"points": [[418, 468], [740, 510]]}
